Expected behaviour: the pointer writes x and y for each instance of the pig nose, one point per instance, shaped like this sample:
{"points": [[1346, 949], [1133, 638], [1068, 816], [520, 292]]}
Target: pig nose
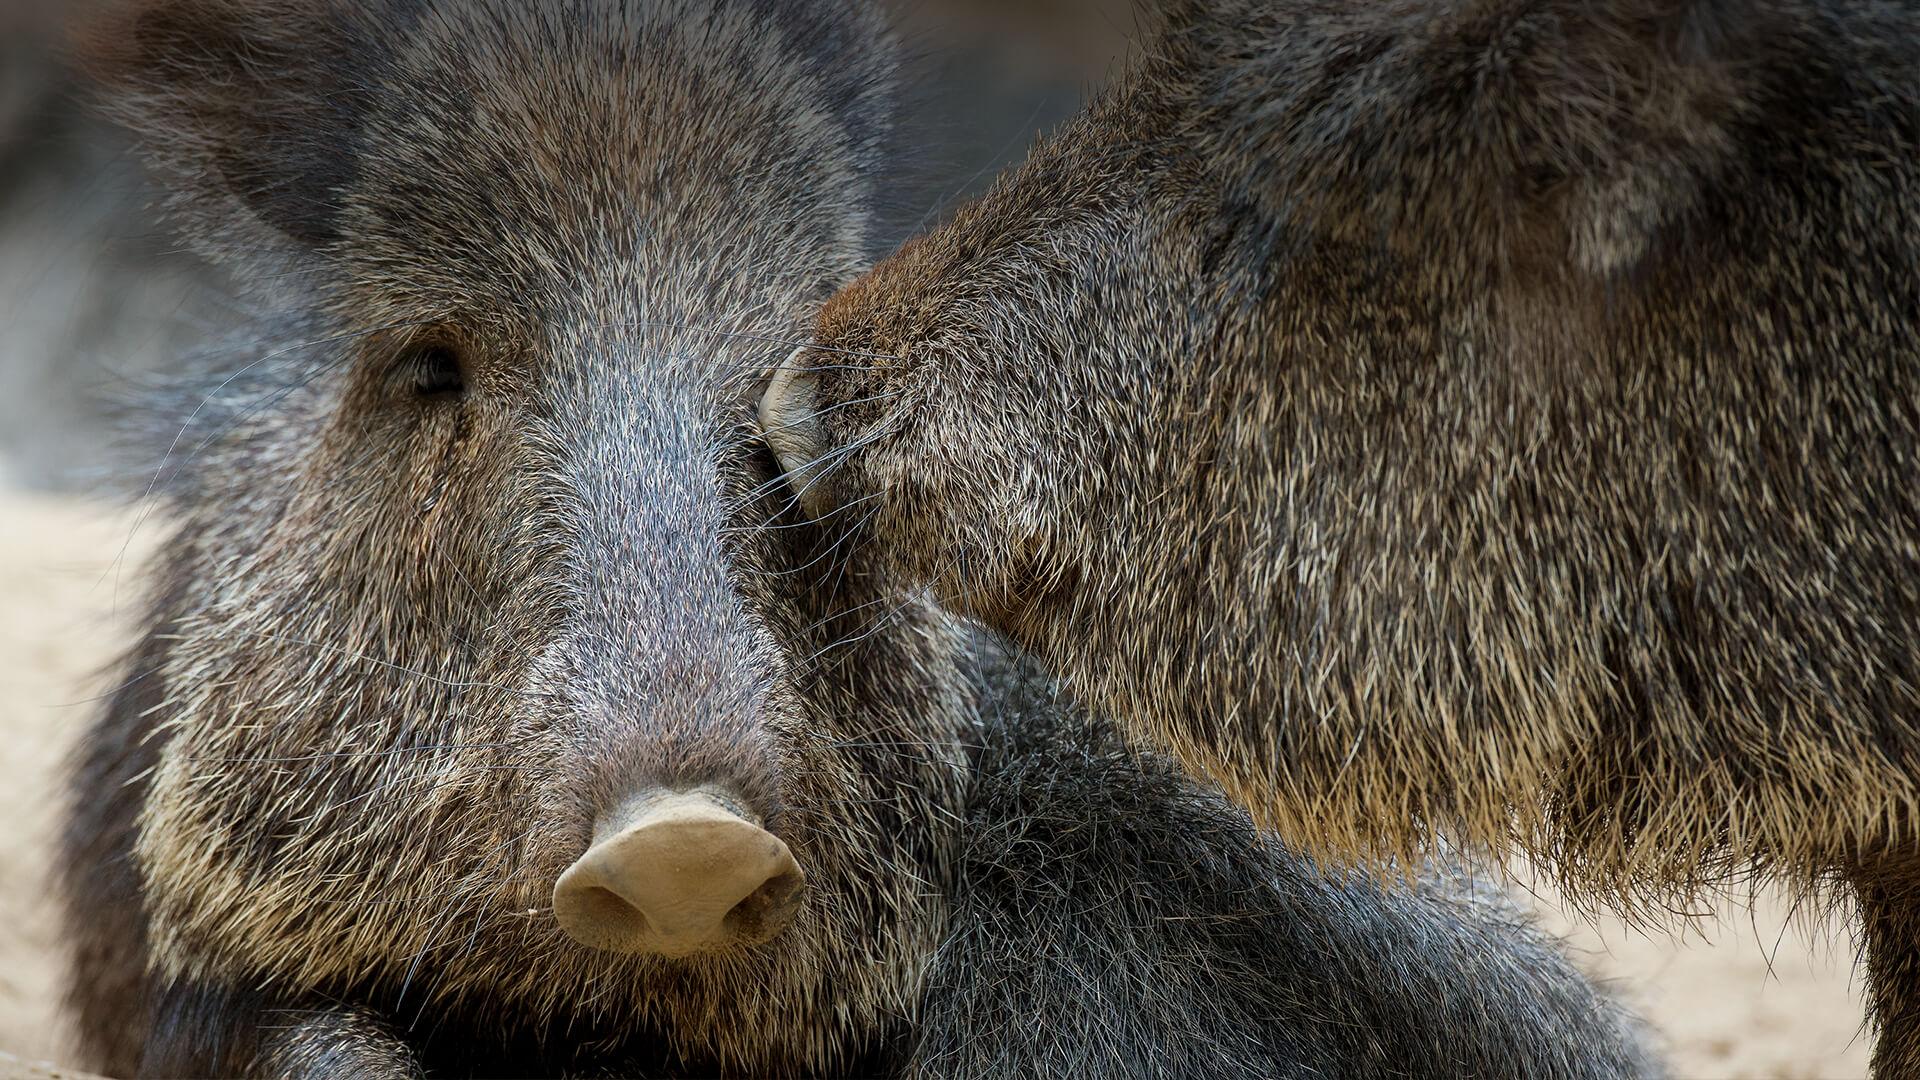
{"points": [[788, 425], [672, 873]]}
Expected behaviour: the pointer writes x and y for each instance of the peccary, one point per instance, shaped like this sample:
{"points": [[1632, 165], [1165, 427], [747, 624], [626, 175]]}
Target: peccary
{"points": [[1493, 418], [494, 717]]}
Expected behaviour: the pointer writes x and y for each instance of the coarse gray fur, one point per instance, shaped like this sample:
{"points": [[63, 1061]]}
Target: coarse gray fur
{"points": [[1109, 917], [472, 538]]}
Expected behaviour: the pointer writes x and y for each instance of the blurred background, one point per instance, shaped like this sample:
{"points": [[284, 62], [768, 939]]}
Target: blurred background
{"points": [[96, 298]]}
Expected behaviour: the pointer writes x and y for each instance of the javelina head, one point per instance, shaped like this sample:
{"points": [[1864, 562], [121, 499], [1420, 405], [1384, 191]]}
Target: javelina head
{"points": [[1328, 401], [491, 675], [1275, 195]]}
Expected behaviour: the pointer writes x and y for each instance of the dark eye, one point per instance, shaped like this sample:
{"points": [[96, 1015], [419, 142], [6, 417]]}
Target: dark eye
{"points": [[437, 372]]}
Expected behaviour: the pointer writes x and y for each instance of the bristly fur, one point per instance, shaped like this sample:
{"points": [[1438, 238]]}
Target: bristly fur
{"points": [[1111, 918], [404, 647], [408, 642], [1494, 418]]}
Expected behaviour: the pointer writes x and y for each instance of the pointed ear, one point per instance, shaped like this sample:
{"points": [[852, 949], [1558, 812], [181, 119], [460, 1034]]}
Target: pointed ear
{"points": [[1516, 133], [249, 110], [1615, 116]]}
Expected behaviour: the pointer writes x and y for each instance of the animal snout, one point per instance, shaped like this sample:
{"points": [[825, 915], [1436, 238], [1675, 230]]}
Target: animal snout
{"points": [[673, 873], [787, 420]]}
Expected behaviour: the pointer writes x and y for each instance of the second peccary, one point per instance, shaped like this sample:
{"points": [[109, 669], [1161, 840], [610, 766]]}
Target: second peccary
{"points": [[492, 718], [1486, 418]]}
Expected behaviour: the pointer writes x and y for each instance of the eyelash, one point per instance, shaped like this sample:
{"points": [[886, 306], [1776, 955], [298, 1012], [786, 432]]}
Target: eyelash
{"points": [[436, 372]]}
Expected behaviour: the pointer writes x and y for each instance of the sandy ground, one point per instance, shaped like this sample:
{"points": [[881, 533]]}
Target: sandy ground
{"points": [[59, 595], [1752, 994]]}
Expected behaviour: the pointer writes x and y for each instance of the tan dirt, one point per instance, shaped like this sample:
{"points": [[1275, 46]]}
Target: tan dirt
{"points": [[1750, 994]]}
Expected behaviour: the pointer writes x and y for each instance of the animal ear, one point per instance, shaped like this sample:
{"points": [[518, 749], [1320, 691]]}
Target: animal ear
{"points": [[248, 109], [1568, 132], [1614, 116]]}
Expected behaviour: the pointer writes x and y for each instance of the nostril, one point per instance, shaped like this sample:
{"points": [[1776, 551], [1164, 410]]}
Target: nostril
{"points": [[767, 908], [678, 872], [608, 913]]}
